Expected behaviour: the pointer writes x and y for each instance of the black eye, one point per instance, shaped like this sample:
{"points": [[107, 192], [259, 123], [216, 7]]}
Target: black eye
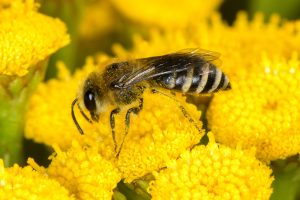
{"points": [[90, 100]]}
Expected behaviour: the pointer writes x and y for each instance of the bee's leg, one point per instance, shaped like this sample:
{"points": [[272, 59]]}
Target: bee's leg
{"points": [[134, 110], [183, 110], [112, 125]]}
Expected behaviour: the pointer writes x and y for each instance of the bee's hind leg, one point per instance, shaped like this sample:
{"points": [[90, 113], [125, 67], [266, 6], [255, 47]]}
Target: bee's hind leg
{"points": [[112, 125], [183, 110], [134, 110]]}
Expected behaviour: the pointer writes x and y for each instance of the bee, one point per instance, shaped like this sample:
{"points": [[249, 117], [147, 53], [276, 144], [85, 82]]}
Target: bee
{"points": [[123, 83]]}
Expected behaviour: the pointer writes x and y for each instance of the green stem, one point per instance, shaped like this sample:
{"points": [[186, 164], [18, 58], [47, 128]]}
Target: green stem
{"points": [[128, 190], [11, 127], [287, 178], [14, 94]]}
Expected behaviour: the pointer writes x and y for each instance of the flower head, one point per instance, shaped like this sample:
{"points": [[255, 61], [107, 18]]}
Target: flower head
{"points": [[213, 172], [27, 36], [90, 25], [159, 133], [25, 183], [171, 14], [84, 172], [261, 111]]}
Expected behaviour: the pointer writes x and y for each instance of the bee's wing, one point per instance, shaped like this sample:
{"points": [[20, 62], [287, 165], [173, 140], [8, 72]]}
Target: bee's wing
{"points": [[149, 68], [209, 56]]}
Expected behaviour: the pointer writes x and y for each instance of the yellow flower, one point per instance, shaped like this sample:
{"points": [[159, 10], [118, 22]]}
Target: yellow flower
{"points": [[158, 133], [84, 172], [25, 183], [213, 172], [166, 13], [262, 110], [27, 40], [98, 19], [27, 36]]}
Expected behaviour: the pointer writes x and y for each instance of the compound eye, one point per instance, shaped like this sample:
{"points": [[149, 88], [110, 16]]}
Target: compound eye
{"points": [[90, 100]]}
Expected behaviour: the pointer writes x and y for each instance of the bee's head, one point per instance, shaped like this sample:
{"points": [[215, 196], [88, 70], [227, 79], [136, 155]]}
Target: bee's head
{"points": [[92, 96]]}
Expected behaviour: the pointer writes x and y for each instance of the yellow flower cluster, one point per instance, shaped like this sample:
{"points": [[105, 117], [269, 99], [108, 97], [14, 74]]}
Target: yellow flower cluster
{"points": [[160, 132], [213, 172], [84, 172], [262, 110], [27, 36], [166, 13], [25, 183]]}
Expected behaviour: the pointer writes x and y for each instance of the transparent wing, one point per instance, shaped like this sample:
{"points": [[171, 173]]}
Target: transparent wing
{"points": [[209, 56], [152, 67]]}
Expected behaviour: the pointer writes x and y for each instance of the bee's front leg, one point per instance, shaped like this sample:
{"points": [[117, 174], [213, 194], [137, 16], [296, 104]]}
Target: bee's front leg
{"points": [[112, 125], [134, 110]]}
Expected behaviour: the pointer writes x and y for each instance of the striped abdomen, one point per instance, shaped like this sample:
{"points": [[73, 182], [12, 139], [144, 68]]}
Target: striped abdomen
{"points": [[206, 78]]}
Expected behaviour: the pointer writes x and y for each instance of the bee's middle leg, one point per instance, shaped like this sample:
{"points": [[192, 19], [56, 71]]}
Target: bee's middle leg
{"points": [[134, 110], [112, 125]]}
